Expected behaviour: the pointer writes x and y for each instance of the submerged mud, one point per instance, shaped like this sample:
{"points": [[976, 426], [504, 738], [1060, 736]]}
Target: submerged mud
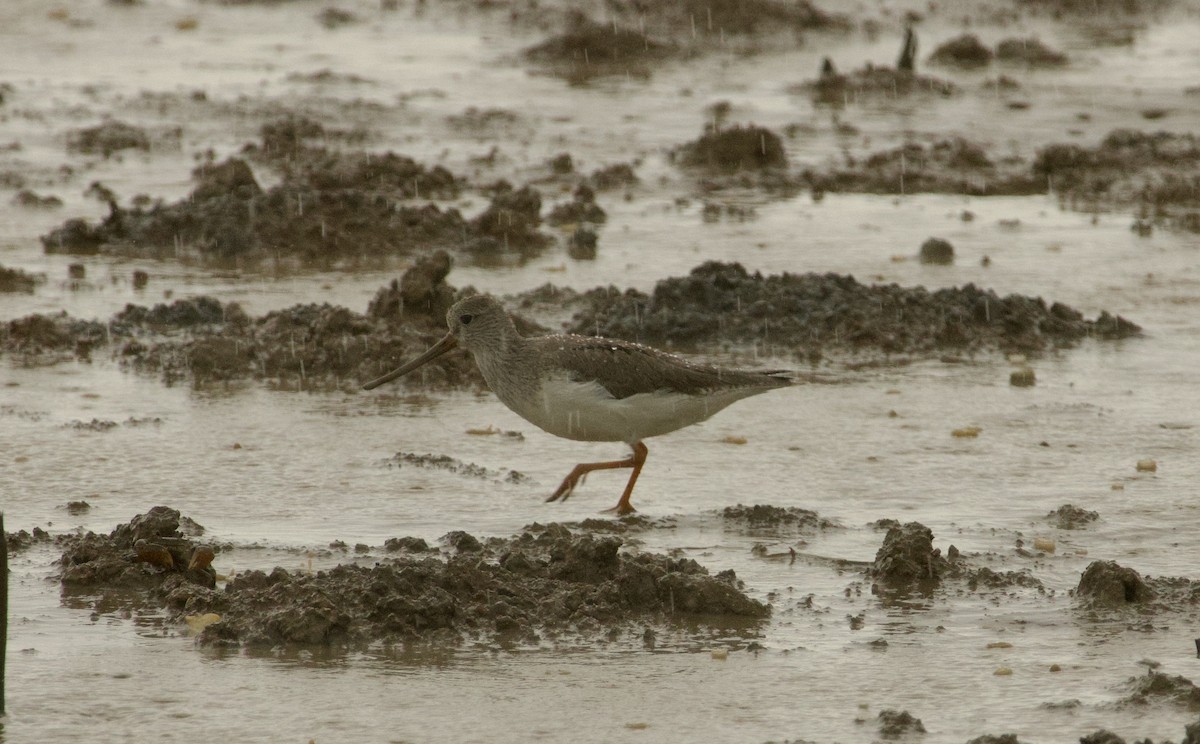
{"points": [[544, 584]]}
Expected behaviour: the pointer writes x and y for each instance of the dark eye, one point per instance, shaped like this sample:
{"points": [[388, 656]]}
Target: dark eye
{"points": [[466, 319]]}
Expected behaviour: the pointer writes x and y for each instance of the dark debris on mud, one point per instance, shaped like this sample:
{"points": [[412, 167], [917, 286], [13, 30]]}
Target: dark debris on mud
{"points": [[543, 584]]}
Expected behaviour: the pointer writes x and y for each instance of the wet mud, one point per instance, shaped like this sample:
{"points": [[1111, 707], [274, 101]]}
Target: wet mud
{"points": [[545, 585], [811, 314], [313, 190], [322, 346], [332, 206], [1158, 173]]}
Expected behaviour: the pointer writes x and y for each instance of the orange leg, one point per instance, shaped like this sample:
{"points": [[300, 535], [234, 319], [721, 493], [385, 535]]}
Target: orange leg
{"points": [[635, 461]]}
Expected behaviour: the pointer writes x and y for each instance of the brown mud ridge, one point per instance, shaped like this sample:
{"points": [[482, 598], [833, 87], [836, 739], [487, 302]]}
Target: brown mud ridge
{"points": [[336, 205], [806, 315], [635, 37], [543, 584], [810, 313], [332, 205]]}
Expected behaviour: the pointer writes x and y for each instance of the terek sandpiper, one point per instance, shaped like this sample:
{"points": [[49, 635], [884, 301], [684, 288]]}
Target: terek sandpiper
{"points": [[589, 388]]}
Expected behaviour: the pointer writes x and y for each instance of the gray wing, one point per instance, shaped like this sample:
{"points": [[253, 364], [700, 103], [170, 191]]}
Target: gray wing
{"points": [[624, 368]]}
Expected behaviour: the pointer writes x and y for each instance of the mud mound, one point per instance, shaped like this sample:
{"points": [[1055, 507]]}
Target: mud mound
{"points": [[152, 552], [871, 82], [734, 149], [51, 336], [420, 295], [712, 20], [1071, 517], [319, 345], [108, 138], [811, 313], [965, 51], [587, 50], [332, 206], [1031, 52], [1108, 585], [15, 280], [1157, 172], [1156, 687], [774, 517], [907, 558], [996, 739], [949, 166], [897, 724], [581, 208], [544, 581], [304, 346], [907, 562]]}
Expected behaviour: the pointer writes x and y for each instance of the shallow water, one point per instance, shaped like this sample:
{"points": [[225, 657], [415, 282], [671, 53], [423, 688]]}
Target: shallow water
{"points": [[281, 474]]}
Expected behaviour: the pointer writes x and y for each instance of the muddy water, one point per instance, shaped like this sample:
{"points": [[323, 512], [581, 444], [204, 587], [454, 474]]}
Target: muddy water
{"points": [[281, 474]]}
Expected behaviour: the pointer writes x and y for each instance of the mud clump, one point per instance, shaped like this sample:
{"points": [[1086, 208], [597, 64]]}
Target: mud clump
{"points": [[406, 544], [1158, 173], [510, 222], [765, 515], [1105, 584], [615, 176], [871, 82], [545, 581], [331, 207], [139, 562], [1071, 517], [16, 280], [25, 539], [965, 51], [108, 138], [715, 19], [581, 208], [1031, 52], [32, 200], [734, 149], [937, 251], [1155, 686], [896, 724], [813, 313], [948, 166], [907, 558], [996, 739], [312, 346], [47, 338], [306, 346], [586, 50], [421, 291]]}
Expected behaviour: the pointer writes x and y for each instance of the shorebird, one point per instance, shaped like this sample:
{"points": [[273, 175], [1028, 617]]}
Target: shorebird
{"points": [[589, 388]]}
